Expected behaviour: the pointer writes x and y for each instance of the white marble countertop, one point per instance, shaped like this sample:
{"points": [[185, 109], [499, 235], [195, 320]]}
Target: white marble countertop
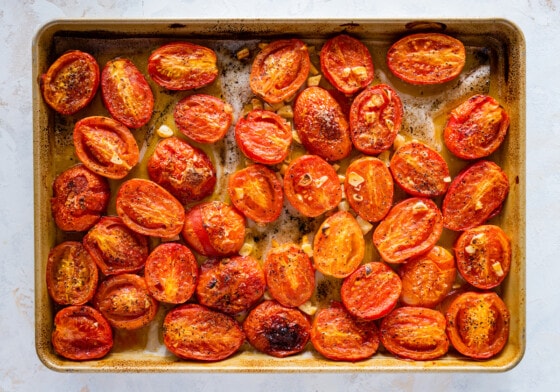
{"points": [[20, 369]]}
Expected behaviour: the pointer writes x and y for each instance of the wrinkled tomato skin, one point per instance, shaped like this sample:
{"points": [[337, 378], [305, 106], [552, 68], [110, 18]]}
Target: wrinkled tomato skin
{"points": [[81, 333], [415, 333], [340, 337], [321, 125], [115, 248], [71, 82], [478, 324], [183, 170], [183, 66], [126, 93], [474, 196], [277, 330], [105, 146], [279, 70], [194, 332], [71, 274], [79, 199], [230, 285]]}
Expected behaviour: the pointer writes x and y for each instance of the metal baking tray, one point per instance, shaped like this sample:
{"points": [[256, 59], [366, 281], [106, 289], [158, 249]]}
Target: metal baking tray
{"points": [[496, 45]]}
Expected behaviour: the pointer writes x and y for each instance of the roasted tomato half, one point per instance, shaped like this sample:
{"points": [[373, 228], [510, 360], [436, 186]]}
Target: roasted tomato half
{"points": [[81, 333], [105, 146], [183, 66], [183, 170], [79, 199], [321, 125], [279, 70], [277, 330], [70, 82], [126, 93], [375, 119], [426, 58], [194, 332]]}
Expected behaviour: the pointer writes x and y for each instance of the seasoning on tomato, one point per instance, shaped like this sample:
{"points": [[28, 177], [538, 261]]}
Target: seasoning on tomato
{"points": [[415, 333], [81, 333], [475, 195], [426, 58], [115, 248], [147, 208], [79, 199], [126, 93], [105, 146], [71, 82], [420, 170], [214, 229], [279, 70], [478, 324], [369, 188], [476, 128], [171, 273], [277, 330], [230, 285], [183, 66], [311, 185], [264, 137], [375, 119], [339, 245], [321, 125], [183, 170], [194, 332], [412, 228], [203, 118], [483, 256], [346, 63], [371, 291], [71, 274]]}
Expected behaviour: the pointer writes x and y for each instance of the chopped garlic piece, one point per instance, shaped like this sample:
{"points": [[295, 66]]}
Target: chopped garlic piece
{"points": [[399, 141], [164, 131], [239, 193], [447, 179], [385, 157], [306, 246], [478, 205], [341, 178], [355, 179], [419, 206], [360, 72], [256, 103], [285, 111], [313, 81], [497, 267], [471, 250], [364, 225], [295, 136], [343, 206], [267, 296], [247, 248], [320, 181], [243, 54], [313, 70], [357, 197], [308, 308], [262, 45]]}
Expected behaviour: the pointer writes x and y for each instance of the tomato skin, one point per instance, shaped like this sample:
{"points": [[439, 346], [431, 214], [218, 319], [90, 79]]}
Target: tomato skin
{"points": [[279, 70], [311, 185], [214, 229], [478, 324], [420, 170], [321, 125], [483, 256], [71, 274], [183, 170], [230, 285], [183, 66], [126, 94], [105, 146], [476, 128], [369, 188], [81, 333], [426, 58], [277, 330], [375, 119], [147, 208], [339, 245], [340, 337], [412, 228], [289, 274], [346, 63], [79, 199], [474, 196], [371, 292], [415, 333], [171, 273], [194, 332], [71, 82], [115, 248], [203, 118]]}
